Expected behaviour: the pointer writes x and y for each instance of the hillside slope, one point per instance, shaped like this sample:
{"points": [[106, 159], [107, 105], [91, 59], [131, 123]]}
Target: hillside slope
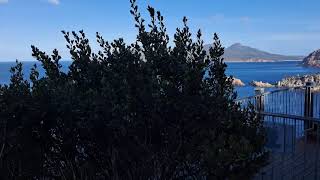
{"points": [[313, 59], [239, 52]]}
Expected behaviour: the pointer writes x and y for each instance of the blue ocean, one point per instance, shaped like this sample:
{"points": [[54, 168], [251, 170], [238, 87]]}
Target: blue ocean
{"points": [[270, 72], [263, 71]]}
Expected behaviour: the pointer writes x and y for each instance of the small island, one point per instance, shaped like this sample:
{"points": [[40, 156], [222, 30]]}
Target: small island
{"points": [[261, 84], [237, 82]]}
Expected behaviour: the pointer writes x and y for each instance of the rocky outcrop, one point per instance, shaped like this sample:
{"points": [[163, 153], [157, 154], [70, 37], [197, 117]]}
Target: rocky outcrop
{"points": [[299, 81], [261, 84], [237, 82], [312, 60]]}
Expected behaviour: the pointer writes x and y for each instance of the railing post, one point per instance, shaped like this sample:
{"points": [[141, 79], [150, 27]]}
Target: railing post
{"points": [[308, 103], [308, 100], [259, 106]]}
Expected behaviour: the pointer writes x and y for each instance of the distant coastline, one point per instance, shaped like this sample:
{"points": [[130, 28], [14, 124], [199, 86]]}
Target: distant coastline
{"points": [[28, 60], [260, 61], [232, 61], [241, 53]]}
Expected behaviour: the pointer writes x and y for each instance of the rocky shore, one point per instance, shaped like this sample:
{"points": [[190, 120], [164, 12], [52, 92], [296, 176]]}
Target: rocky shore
{"points": [[288, 82], [299, 81]]}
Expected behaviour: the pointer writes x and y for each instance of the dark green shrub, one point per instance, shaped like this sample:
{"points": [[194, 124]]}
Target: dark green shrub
{"points": [[141, 111]]}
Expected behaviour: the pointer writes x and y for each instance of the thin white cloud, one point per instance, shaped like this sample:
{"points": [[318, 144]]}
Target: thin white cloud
{"points": [[222, 19], [292, 36], [54, 2], [245, 19], [4, 1]]}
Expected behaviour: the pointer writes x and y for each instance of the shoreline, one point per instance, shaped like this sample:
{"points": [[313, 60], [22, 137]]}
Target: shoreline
{"points": [[233, 61], [271, 61]]}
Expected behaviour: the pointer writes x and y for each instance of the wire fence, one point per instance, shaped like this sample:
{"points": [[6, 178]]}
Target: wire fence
{"points": [[292, 122], [293, 142], [291, 101]]}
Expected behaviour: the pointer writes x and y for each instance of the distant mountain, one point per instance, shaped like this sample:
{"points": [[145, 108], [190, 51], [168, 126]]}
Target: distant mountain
{"points": [[239, 52], [313, 59]]}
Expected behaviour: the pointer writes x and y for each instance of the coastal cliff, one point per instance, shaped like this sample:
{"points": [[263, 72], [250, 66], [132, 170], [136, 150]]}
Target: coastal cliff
{"points": [[313, 59]]}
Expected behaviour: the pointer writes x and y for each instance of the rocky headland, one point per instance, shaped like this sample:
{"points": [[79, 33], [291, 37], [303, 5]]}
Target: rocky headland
{"points": [[312, 60]]}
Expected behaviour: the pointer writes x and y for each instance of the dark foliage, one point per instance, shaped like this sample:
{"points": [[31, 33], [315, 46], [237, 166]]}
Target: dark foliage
{"points": [[140, 111]]}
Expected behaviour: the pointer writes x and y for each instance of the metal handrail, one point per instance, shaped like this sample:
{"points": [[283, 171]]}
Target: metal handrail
{"points": [[288, 116], [301, 101], [284, 89], [269, 92]]}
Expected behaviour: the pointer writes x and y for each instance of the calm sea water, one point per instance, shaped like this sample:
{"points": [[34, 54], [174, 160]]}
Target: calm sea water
{"points": [[270, 72], [267, 72]]}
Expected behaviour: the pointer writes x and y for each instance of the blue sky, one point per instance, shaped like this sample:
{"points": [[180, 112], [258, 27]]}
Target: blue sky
{"points": [[279, 26]]}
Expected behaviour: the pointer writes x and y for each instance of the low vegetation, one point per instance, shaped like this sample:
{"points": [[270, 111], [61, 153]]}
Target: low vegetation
{"points": [[145, 110]]}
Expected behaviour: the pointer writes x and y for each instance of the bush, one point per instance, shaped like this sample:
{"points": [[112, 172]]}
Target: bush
{"points": [[141, 111]]}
